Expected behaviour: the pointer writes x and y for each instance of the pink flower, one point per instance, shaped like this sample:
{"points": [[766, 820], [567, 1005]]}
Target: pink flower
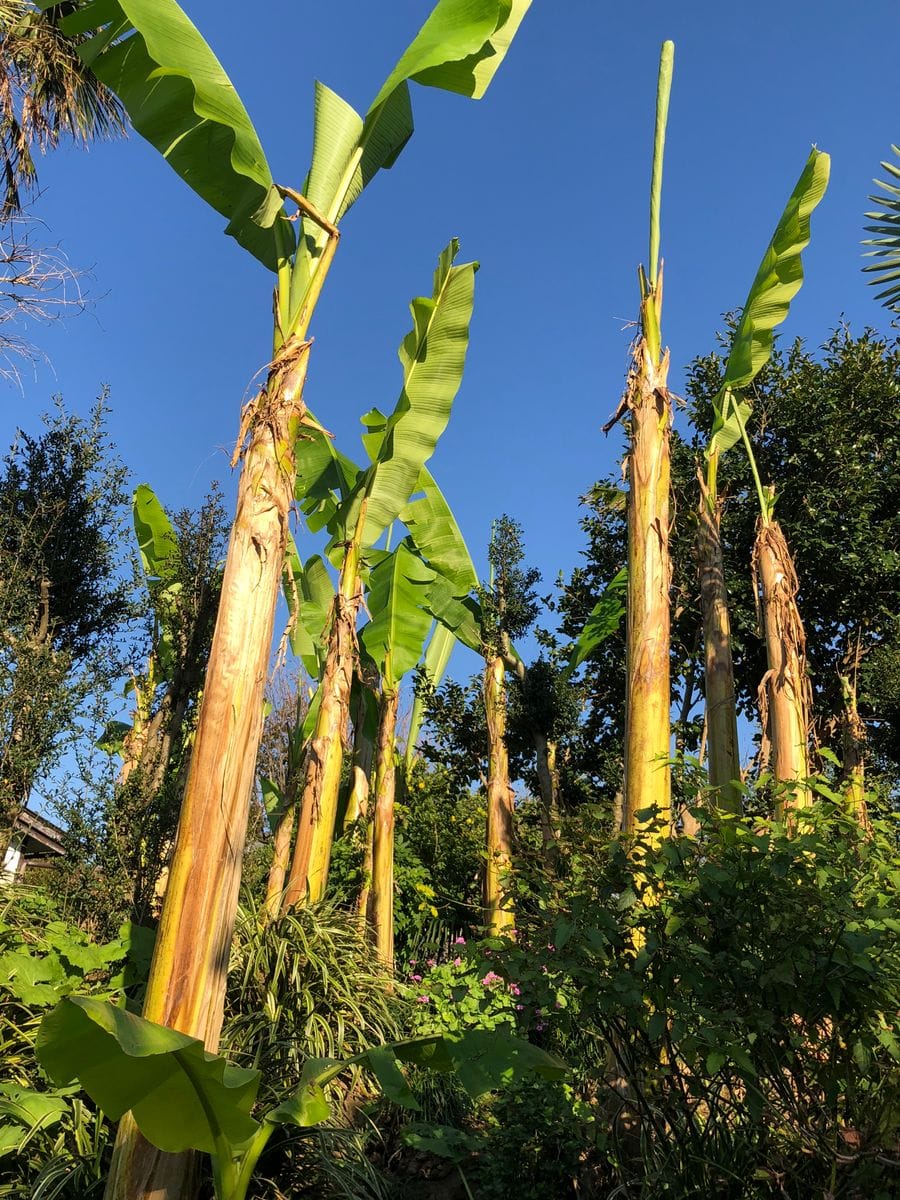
{"points": [[457, 962], [430, 962], [520, 1008], [515, 989], [416, 978], [423, 999], [460, 941], [550, 946], [491, 978]]}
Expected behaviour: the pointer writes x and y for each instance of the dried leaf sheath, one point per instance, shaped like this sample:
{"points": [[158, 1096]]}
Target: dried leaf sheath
{"points": [[784, 691]]}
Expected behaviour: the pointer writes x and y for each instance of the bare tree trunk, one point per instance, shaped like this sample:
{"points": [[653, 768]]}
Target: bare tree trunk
{"points": [[784, 691], [186, 989], [721, 703], [499, 800], [381, 898], [647, 697]]}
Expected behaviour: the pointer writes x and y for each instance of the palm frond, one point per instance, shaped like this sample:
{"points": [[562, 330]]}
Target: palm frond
{"points": [[46, 92], [886, 227]]}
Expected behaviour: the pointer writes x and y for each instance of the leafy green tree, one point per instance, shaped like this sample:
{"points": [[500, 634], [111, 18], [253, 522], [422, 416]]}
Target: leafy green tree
{"points": [[63, 597]]}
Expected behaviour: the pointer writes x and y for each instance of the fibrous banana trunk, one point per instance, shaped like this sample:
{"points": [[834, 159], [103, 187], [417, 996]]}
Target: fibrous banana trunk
{"points": [[647, 697], [381, 896], [186, 988], [281, 858], [321, 789], [363, 758], [499, 800], [784, 691], [854, 745], [721, 704]]}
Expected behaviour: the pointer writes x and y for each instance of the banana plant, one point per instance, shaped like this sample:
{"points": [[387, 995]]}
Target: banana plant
{"points": [[785, 688], [177, 96], [432, 356], [393, 640], [647, 407], [183, 1098]]}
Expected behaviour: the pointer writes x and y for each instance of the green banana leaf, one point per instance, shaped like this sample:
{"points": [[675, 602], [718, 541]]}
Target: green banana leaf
{"points": [[887, 243], [433, 665], [433, 355], [155, 535], [778, 279], [606, 617], [309, 593], [460, 614], [458, 49], [181, 1097], [179, 98], [394, 637], [325, 480], [437, 536]]}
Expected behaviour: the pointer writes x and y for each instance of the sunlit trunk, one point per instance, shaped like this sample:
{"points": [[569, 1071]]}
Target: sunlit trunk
{"points": [[548, 783], [784, 691], [361, 770], [721, 703], [381, 897], [321, 789], [498, 916], [647, 697], [186, 988]]}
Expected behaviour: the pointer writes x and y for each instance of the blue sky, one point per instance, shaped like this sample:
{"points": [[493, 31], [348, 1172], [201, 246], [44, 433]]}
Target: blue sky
{"points": [[545, 181]]}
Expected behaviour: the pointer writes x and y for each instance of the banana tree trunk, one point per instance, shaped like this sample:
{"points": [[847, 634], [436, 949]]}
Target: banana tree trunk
{"points": [[499, 799], [381, 897], [784, 691], [854, 745], [186, 988], [321, 789], [548, 783], [281, 858], [721, 704], [647, 697], [363, 758]]}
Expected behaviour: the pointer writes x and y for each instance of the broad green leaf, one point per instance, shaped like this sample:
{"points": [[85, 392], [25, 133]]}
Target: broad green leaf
{"points": [[35, 980], [396, 634], [179, 98], [606, 617], [887, 241], [433, 665], [433, 356], [778, 279], [436, 535], [325, 479], [181, 1097], [309, 592], [273, 800], [482, 1059], [459, 48], [155, 535], [460, 614], [383, 1064], [112, 739]]}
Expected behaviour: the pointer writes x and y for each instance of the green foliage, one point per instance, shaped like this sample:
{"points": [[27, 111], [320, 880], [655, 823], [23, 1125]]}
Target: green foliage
{"points": [[63, 601], [887, 243], [778, 279], [509, 603], [731, 1002]]}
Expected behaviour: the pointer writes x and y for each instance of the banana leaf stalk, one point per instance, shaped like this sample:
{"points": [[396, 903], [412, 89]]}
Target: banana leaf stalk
{"points": [[647, 404]]}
